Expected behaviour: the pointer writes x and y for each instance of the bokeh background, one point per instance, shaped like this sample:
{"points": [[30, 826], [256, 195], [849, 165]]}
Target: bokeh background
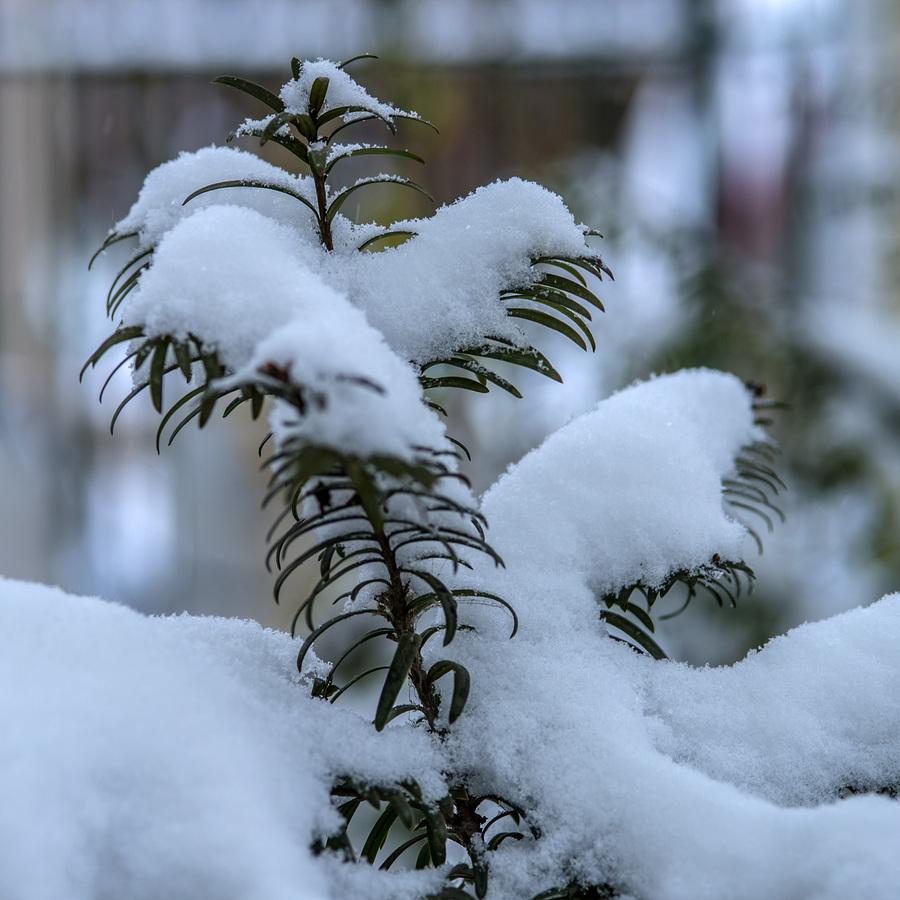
{"points": [[740, 157]]}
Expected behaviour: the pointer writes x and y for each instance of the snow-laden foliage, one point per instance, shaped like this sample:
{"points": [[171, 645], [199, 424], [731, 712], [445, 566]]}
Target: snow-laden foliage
{"points": [[169, 757], [346, 99], [677, 783], [461, 258], [566, 762], [365, 396], [650, 460], [160, 205], [193, 762], [205, 268]]}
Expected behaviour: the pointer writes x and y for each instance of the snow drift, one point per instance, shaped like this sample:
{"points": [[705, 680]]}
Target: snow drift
{"points": [[146, 757]]}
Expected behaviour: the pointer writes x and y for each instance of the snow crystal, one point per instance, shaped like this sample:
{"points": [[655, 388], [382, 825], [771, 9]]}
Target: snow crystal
{"points": [[169, 757], [252, 127], [335, 149], [159, 206]]}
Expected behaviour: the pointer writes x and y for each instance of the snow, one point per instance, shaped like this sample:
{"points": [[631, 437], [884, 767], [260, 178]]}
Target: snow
{"points": [[342, 91], [231, 252], [159, 206], [335, 149], [781, 692], [565, 720], [364, 398], [145, 757], [460, 259], [211, 266], [205, 266], [327, 351], [632, 490], [671, 782], [194, 764]]}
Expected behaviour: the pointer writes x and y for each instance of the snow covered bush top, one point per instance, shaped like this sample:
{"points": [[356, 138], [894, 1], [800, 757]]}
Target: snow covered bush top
{"points": [[561, 764], [343, 99]]}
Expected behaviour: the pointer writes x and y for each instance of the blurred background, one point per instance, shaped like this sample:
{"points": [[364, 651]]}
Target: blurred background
{"points": [[740, 157]]}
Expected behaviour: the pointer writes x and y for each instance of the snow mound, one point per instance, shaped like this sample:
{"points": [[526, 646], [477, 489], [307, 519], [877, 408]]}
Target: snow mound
{"points": [[433, 295], [671, 782], [148, 757], [608, 750], [439, 291], [343, 91], [631, 491], [180, 757], [790, 725], [160, 204], [210, 266], [361, 397]]}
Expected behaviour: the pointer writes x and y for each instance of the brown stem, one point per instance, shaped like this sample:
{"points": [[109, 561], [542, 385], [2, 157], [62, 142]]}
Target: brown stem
{"points": [[465, 822], [394, 601], [324, 224]]}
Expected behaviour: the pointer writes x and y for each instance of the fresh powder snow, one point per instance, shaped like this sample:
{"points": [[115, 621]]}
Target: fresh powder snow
{"points": [[160, 205], [169, 757], [343, 93], [632, 490], [176, 756], [362, 396], [435, 294], [674, 781]]}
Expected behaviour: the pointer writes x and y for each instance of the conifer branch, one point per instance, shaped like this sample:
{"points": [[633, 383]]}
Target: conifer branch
{"points": [[392, 526]]}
